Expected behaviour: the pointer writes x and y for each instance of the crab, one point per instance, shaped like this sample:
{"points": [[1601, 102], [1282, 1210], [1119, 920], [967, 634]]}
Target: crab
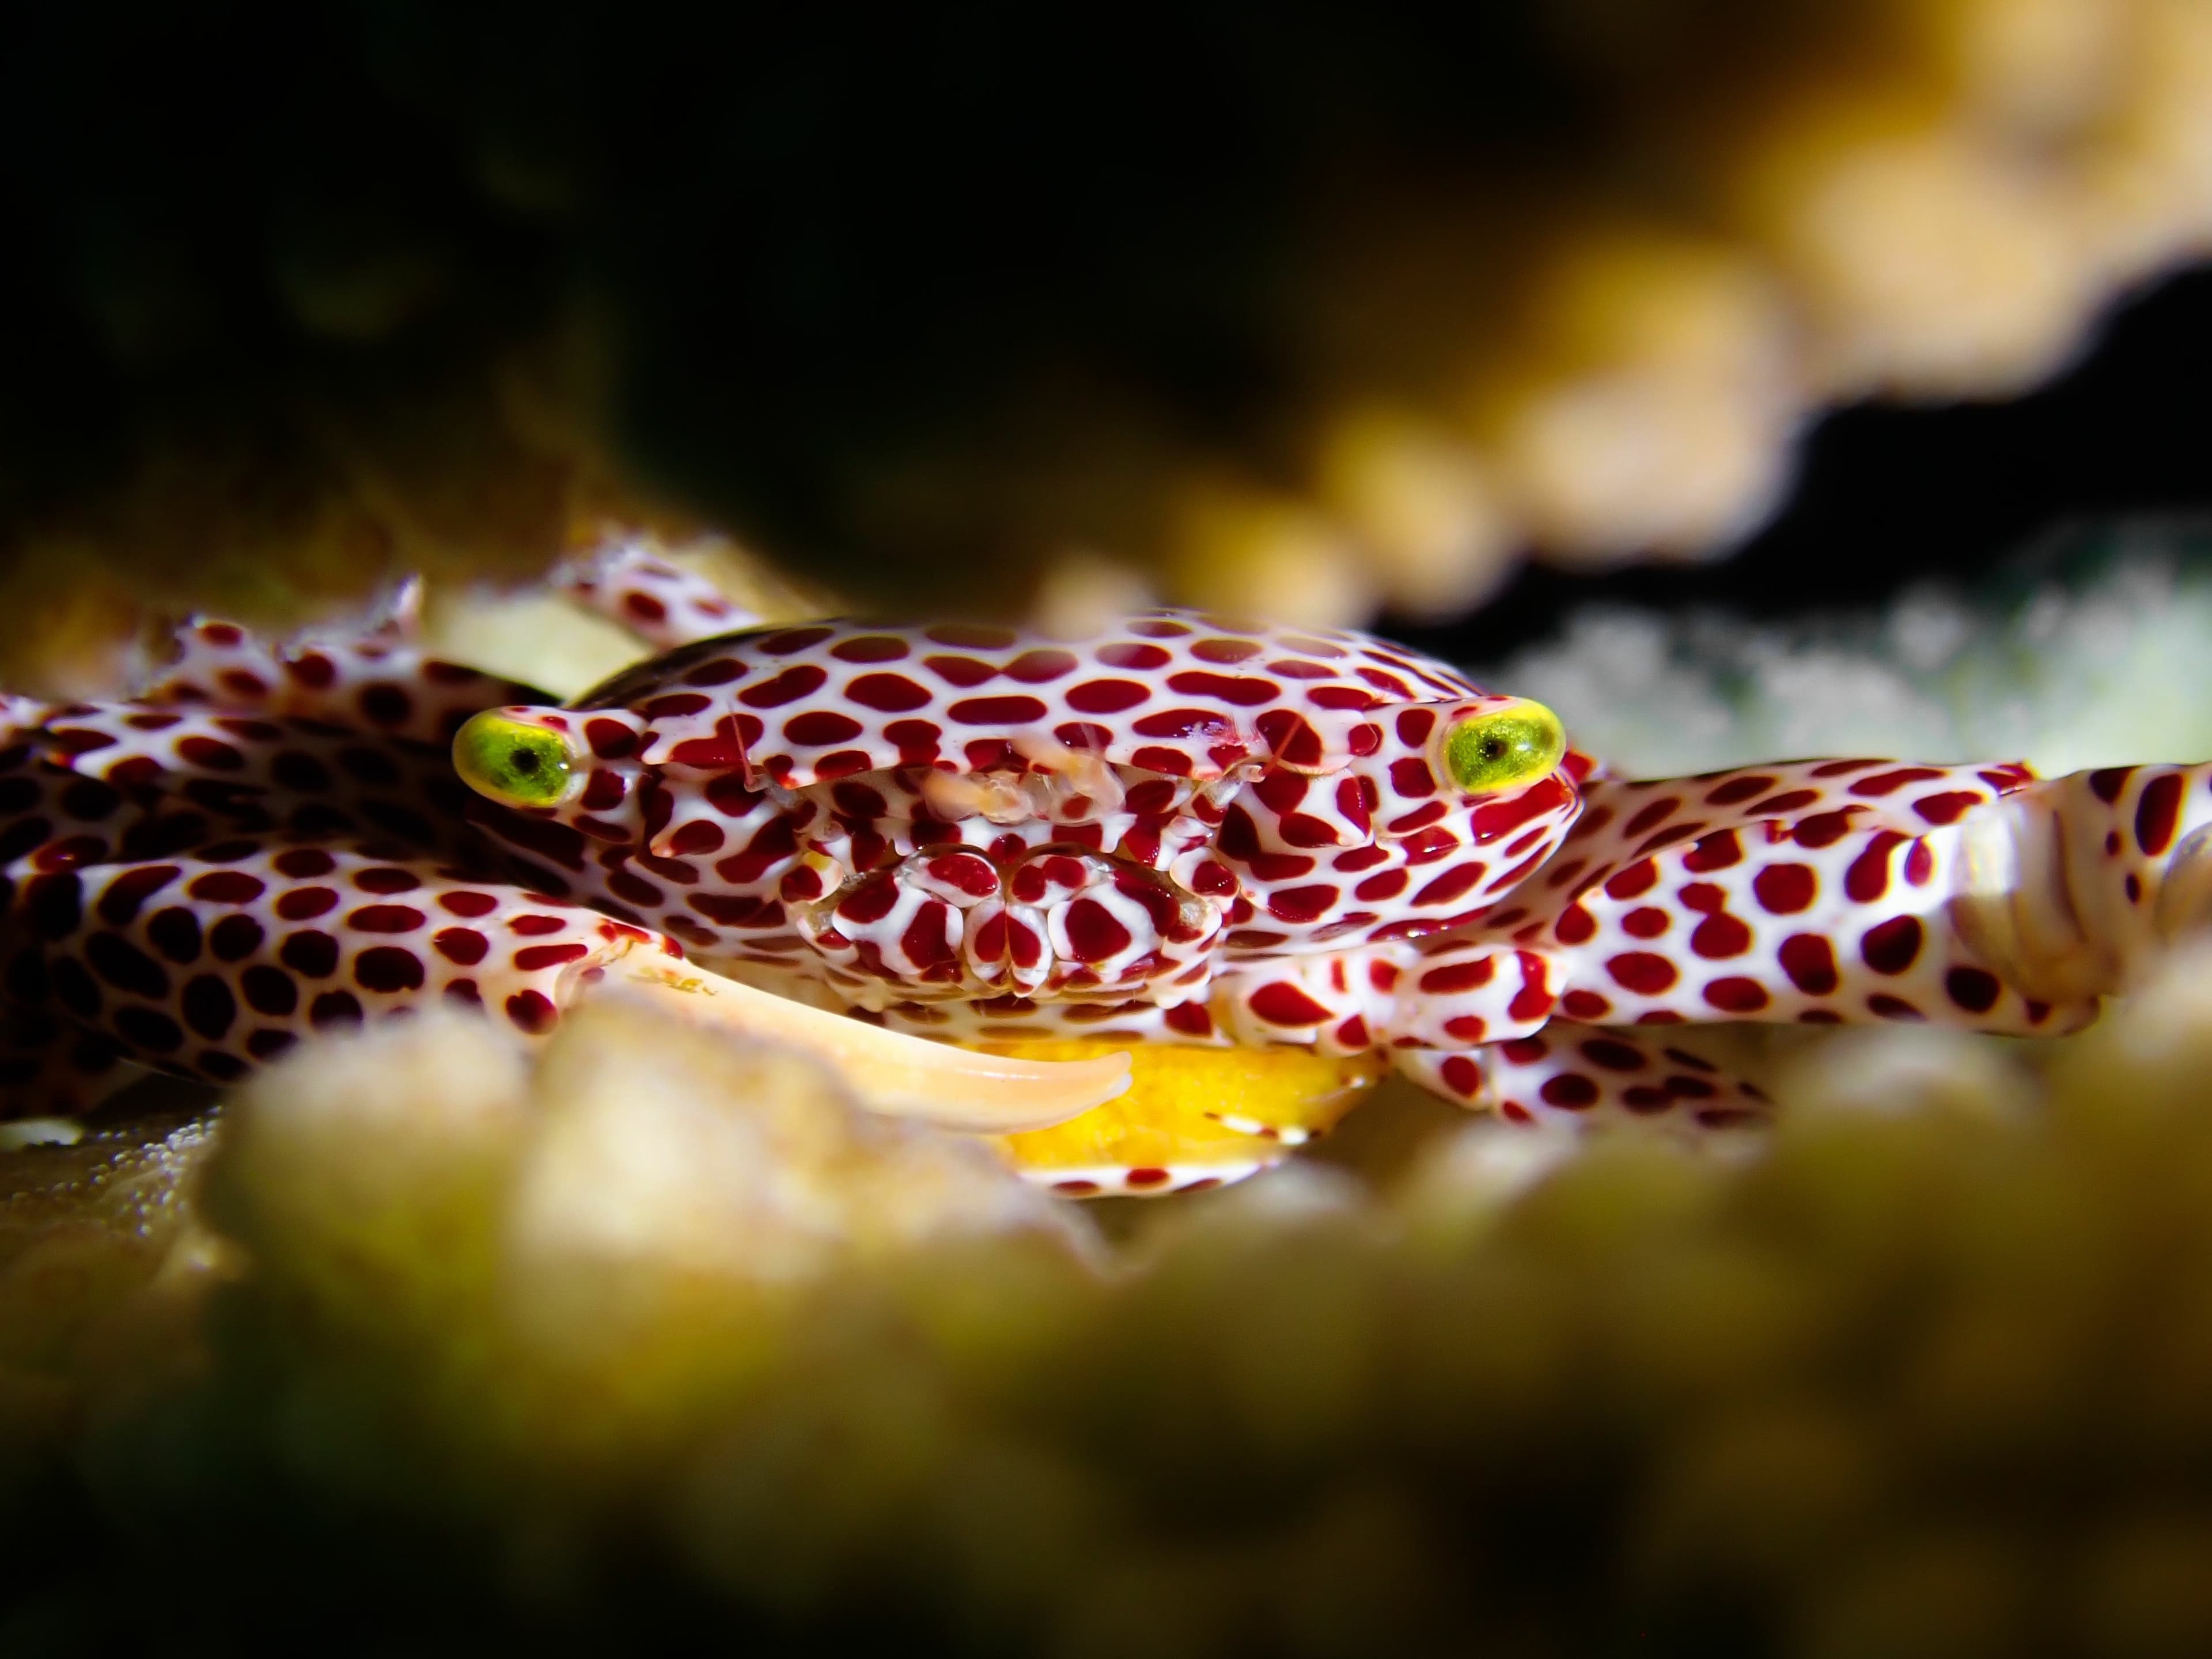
{"points": [[933, 853]]}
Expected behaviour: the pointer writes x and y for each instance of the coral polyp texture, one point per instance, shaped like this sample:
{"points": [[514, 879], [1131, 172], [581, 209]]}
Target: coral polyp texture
{"points": [[646, 1334], [1368, 308], [1188, 831]]}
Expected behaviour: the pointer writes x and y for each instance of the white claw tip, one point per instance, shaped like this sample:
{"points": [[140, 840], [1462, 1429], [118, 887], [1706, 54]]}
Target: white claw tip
{"points": [[890, 1072]]}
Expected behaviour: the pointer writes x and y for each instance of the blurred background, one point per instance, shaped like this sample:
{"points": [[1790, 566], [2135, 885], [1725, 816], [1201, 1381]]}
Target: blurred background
{"points": [[1345, 315], [1743, 377]]}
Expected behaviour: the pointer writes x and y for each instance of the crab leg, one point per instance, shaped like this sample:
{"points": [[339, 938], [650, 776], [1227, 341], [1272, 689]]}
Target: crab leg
{"points": [[628, 583], [52, 1068], [382, 683], [1979, 897], [2069, 886], [211, 965], [1580, 1075], [1826, 891]]}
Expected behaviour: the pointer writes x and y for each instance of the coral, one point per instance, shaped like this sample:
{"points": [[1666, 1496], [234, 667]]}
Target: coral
{"points": [[659, 1329], [562, 1255], [651, 1331], [1359, 311], [2089, 653]]}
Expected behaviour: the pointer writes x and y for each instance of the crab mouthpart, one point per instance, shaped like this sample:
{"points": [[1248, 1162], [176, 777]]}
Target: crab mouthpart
{"points": [[888, 1071], [1056, 775], [955, 922]]}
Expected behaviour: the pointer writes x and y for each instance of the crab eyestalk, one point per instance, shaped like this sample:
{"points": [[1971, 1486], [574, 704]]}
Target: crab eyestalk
{"points": [[1502, 748], [515, 761]]}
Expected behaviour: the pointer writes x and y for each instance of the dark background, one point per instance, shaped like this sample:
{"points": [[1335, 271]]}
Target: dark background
{"points": [[1887, 495], [902, 301]]}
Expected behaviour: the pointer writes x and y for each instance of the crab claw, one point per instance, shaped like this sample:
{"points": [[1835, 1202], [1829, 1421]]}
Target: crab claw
{"points": [[890, 1072]]}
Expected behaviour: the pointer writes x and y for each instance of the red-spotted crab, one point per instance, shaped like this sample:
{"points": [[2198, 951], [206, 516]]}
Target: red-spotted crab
{"points": [[1188, 829]]}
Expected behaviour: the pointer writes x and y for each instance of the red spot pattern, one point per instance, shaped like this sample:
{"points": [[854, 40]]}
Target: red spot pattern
{"points": [[1891, 946], [1642, 972], [891, 693], [1280, 1004], [1118, 954], [1974, 989], [2157, 812], [1736, 995], [1720, 935], [1784, 890]]}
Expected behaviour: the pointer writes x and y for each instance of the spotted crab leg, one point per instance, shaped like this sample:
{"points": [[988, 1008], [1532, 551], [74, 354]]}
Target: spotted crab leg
{"points": [[171, 943], [380, 685], [627, 582], [1819, 893], [209, 966], [49, 1067], [2070, 886], [1980, 897], [1581, 1075]]}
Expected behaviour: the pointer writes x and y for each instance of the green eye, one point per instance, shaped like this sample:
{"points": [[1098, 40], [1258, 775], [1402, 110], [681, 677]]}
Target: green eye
{"points": [[1515, 745], [512, 760]]}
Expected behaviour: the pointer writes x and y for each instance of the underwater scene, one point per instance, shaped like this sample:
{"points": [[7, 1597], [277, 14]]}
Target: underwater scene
{"points": [[1229, 834]]}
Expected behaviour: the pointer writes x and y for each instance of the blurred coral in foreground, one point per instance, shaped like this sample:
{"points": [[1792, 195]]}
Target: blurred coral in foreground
{"points": [[1362, 311], [662, 1329]]}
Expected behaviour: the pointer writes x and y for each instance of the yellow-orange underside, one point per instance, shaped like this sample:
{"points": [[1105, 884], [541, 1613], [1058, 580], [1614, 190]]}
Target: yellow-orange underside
{"points": [[1177, 1096]]}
